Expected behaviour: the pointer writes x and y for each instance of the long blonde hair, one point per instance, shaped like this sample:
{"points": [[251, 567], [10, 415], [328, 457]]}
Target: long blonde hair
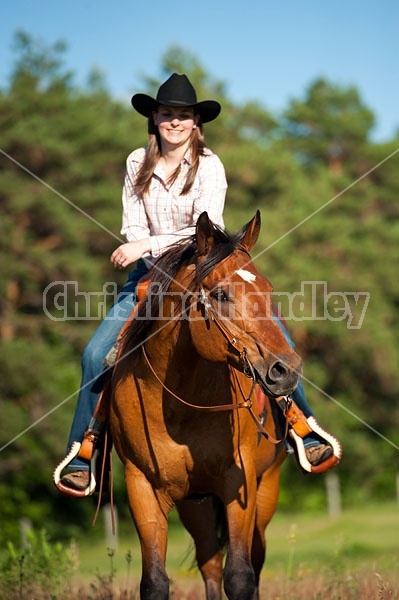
{"points": [[153, 154]]}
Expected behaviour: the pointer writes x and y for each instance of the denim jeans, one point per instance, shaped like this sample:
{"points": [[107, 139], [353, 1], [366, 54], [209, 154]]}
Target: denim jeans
{"points": [[93, 370]]}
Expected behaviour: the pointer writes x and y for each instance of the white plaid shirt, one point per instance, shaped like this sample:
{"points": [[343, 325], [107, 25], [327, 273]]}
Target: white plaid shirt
{"points": [[164, 216]]}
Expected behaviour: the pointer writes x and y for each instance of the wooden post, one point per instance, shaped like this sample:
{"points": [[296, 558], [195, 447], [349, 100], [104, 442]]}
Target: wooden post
{"points": [[25, 527], [333, 494], [111, 539]]}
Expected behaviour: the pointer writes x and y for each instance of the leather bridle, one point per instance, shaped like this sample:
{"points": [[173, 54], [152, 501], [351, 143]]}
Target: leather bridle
{"points": [[248, 369], [211, 314]]}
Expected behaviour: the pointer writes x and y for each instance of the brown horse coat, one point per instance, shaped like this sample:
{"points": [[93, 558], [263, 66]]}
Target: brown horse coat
{"points": [[208, 335]]}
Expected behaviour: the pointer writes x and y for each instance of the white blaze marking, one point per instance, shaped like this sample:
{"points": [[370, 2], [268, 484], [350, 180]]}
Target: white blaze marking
{"points": [[246, 275]]}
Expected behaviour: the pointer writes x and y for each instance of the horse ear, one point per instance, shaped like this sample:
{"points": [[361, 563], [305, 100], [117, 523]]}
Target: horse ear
{"points": [[252, 230], [205, 234]]}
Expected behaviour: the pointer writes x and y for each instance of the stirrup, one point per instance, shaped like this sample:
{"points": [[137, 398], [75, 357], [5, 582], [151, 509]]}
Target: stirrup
{"points": [[299, 427], [65, 489], [88, 450], [330, 462], [91, 445]]}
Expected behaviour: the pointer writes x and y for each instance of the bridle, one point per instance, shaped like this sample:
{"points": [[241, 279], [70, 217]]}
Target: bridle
{"points": [[210, 314]]}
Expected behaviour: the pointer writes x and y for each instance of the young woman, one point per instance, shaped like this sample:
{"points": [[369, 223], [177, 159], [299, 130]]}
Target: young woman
{"points": [[168, 184]]}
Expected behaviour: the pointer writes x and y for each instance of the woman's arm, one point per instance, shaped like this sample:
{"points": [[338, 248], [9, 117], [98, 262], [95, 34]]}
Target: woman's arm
{"points": [[213, 190], [134, 219]]}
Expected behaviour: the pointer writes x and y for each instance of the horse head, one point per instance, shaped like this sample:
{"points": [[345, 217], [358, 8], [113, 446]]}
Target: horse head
{"points": [[231, 319]]}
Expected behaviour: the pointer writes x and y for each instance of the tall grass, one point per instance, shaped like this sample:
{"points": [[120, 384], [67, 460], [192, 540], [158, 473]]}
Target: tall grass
{"points": [[39, 569], [309, 556], [353, 555]]}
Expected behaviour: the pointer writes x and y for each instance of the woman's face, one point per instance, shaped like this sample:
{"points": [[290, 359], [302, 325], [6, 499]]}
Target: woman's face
{"points": [[175, 125]]}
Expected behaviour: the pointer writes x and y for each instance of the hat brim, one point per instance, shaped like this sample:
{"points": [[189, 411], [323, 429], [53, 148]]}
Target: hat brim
{"points": [[208, 110]]}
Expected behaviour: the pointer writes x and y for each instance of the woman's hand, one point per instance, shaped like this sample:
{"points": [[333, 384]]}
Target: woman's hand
{"points": [[127, 254]]}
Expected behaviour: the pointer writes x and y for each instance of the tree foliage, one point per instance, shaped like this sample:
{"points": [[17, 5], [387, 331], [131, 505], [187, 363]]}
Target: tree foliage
{"points": [[329, 216], [329, 127]]}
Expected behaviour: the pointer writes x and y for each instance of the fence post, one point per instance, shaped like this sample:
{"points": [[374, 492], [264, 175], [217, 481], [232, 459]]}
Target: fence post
{"points": [[111, 539], [333, 494], [25, 526]]}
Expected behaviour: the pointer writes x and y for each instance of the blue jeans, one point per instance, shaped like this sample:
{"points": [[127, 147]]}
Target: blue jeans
{"points": [[298, 395], [93, 370]]}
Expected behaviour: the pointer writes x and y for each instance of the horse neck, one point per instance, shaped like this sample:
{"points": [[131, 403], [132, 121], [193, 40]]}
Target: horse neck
{"points": [[161, 342], [178, 364], [196, 380]]}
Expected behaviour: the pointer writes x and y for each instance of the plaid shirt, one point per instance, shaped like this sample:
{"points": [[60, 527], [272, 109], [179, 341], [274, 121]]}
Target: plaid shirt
{"points": [[164, 216]]}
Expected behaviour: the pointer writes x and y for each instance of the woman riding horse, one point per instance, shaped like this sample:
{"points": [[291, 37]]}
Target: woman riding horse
{"points": [[168, 184], [181, 411]]}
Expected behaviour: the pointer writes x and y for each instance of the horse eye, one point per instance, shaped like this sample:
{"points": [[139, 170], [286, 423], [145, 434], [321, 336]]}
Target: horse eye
{"points": [[220, 295]]}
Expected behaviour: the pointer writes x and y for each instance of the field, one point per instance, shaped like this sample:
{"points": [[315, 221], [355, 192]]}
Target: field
{"points": [[353, 555]]}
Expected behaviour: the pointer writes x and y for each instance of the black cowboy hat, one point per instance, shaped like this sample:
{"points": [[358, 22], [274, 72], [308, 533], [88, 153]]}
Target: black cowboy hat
{"points": [[176, 91]]}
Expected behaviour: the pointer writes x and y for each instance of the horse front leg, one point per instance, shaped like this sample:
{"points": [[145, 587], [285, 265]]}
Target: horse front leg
{"points": [[239, 576], [200, 520], [152, 527], [266, 504]]}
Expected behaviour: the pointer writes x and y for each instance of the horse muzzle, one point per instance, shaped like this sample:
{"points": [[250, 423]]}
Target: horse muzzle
{"points": [[280, 377]]}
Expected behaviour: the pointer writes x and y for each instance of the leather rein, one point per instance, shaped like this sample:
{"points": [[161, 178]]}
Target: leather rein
{"points": [[210, 314]]}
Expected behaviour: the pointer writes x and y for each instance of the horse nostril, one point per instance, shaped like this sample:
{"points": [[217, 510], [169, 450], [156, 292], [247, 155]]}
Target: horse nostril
{"points": [[278, 371]]}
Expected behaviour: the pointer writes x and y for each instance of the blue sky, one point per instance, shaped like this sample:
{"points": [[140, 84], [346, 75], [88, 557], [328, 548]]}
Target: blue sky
{"points": [[262, 50]]}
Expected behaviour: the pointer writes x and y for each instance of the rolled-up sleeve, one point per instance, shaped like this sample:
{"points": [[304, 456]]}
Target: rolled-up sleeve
{"points": [[213, 190]]}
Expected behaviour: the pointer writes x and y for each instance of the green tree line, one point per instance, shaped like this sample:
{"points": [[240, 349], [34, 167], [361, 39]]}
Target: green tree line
{"points": [[328, 196]]}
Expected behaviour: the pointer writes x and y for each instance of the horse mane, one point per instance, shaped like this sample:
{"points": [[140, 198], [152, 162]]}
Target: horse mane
{"points": [[165, 270]]}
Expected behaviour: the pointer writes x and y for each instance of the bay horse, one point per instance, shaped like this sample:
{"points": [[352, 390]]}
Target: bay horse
{"points": [[181, 414]]}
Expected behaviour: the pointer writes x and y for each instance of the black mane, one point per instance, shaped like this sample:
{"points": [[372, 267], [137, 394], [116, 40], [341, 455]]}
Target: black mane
{"points": [[164, 271]]}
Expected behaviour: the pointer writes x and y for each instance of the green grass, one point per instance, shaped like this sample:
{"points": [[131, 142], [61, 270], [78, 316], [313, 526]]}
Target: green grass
{"points": [[358, 540], [356, 536], [310, 556]]}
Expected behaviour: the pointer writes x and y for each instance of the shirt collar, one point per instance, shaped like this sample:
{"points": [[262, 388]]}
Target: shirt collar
{"points": [[186, 161], [187, 156]]}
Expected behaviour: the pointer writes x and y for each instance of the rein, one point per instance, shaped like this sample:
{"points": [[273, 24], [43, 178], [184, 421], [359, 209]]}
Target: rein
{"points": [[208, 308], [214, 408], [248, 371]]}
